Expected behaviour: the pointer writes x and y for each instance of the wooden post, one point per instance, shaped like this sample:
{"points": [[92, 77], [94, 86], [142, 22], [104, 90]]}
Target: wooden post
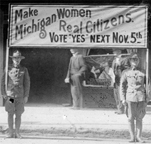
{"points": [[147, 70], [6, 65]]}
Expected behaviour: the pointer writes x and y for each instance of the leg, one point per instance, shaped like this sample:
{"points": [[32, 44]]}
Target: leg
{"points": [[10, 125], [139, 130], [81, 101], [115, 97], [74, 96], [131, 126], [76, 90], [10, 107], [120, 107], [80, 91], [17, 125], [70, 98], [140, 115], [131, 117], [19, 110]]}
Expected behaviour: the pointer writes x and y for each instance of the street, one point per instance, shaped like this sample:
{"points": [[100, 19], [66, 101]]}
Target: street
{"points": [[63, 140], [60, 125]]}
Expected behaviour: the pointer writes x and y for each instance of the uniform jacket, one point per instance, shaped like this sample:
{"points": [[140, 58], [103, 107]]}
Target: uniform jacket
{"points": [[18, 84], [132, 85], [76, 66]]}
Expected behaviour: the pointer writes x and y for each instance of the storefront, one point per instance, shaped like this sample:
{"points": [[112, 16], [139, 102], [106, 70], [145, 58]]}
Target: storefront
{"points": [[90, 28]]}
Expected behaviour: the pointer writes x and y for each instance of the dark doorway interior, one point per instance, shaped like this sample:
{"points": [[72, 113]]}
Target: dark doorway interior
{"points": [[47, 69]]}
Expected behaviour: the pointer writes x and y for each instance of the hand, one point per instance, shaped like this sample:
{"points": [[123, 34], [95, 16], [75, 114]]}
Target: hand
{"points": [[67, 80], [25, 99], [147, 100], [4, 96], [124, 102]]}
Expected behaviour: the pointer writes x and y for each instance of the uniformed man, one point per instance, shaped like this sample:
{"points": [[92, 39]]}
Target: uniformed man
{"points": [[16, 93], [75, 76], [134, 97]]}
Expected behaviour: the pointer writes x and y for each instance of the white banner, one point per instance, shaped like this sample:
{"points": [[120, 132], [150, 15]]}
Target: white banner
{"points": [[78, 26]]}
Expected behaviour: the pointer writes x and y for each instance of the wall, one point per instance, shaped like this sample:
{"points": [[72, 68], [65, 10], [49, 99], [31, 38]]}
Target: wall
{"points": [[1, 51]]}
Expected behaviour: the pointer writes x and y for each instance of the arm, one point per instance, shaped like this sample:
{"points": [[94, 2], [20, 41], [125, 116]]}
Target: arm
{"points": [[148, 91], [117, 69], [113, 64], [26, 83], [111, 73], [3, 91], [67, 79], [69, 67], [123, 85], [82, 64]]}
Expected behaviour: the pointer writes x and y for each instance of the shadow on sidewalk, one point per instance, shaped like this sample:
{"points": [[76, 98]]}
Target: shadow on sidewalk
{"points": [[53, 105], [61, 138]]}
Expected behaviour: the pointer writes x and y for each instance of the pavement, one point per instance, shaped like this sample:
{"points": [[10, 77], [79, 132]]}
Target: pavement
{"points": [[50, 120], [63, 140]]}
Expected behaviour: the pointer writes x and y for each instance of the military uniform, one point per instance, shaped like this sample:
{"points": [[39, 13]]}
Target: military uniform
{"points": [[17, 88], [16, 92], [132, 89]]}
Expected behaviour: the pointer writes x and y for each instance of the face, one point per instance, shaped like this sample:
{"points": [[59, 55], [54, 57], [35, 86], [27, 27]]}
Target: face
{"points": [[16, 60], [73, 51], [134, 62], [117, 51], [106, 64]]}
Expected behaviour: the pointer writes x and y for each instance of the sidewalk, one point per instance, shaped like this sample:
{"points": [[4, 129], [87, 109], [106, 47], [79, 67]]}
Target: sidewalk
{"points": [[56, 120]]}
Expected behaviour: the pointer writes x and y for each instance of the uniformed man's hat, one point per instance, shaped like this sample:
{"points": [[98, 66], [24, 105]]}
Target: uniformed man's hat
{"points": [[134, 56], [17, 54]]}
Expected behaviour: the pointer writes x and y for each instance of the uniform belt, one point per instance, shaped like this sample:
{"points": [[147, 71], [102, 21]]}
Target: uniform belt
{"points": [[14, 97]]}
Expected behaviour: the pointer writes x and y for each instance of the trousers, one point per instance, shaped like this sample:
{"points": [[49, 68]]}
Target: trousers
{"points": [[76, 90], [120, 106]]}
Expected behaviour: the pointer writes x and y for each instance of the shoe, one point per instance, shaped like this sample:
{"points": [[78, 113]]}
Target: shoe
{"points": [[67, 105], [10, 136], [132, 140], [18, 136], [119, 112], [75, 108], [140, 140]]}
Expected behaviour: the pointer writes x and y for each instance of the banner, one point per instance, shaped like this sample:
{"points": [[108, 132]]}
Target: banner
{"points": [[89, 26]]}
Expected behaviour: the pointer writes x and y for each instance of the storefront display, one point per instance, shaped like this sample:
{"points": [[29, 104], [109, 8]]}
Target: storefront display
{"points": [[86, 27]]}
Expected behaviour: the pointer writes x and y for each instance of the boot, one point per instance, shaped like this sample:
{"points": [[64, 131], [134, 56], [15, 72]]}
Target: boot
{"points": [[10, 126], [131, 131], [120, 108], [139, 131]]}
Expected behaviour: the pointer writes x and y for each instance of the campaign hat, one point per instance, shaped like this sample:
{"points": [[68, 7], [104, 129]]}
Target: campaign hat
{"points": [[133, 56], [17, 54]]}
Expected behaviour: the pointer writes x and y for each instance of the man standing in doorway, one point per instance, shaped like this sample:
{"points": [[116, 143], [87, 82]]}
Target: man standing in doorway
{"points": [[16, 92], [119, 64], [75, 76]]}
